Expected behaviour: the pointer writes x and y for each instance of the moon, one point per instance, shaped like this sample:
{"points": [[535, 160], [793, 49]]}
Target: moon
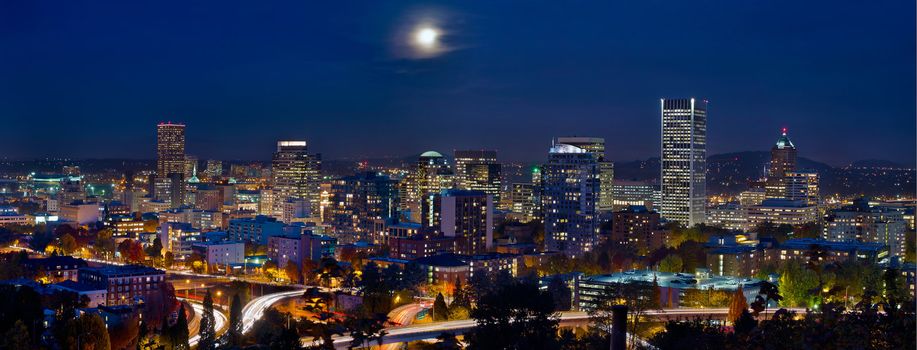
{"points": [[426, 37]]}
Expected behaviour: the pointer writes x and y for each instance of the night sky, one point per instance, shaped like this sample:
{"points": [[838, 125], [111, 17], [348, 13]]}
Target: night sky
{"points": [[92, 79]]}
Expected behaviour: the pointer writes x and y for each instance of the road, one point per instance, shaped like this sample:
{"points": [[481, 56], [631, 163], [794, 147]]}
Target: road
{"points": [[402, 316], [431, 330], [256, 307], [220, 323]]}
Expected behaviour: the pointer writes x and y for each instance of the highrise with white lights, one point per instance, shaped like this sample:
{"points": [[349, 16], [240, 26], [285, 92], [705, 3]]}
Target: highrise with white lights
{"points": [[683, 160]]}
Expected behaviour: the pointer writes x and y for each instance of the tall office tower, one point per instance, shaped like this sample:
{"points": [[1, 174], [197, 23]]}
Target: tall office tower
{"points": [[596, 146], [684, 160], [356, 202], [296, 175], [170, 149], [214, 168], [537, 195], [468, 216], [801, 186], [478, 171], [523, 201], [783, 160], [571, 185], [430, 176]]}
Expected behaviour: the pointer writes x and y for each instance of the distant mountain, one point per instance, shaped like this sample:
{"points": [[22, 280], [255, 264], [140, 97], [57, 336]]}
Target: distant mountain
{"points": [[877, 163], [730, 173]]}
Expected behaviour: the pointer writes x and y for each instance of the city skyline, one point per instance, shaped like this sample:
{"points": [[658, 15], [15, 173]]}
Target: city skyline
{"points": [[829, 73]]}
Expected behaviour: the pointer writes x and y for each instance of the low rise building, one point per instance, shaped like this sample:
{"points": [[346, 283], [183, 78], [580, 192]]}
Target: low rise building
{"points": [[125, 285], [56, 268], [779, 211], [256, 230], [220, 253]]}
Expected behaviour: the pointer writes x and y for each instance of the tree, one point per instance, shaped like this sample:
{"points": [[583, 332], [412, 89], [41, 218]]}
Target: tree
{"points": [[292, 272], [798, 285], [235, 321], [131, 251], [168, 259], [18, 337], [104, 244], [671, 263], [560, 293], [68, 244], [181, 331], [155, 249], [767, 292], [207, 332], [440, 309], [460, 295], [516, 315], [807, 230], [366, 329], [737, 306], [86, 332]]}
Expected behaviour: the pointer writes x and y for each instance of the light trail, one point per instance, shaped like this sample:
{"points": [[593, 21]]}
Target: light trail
{"points": [[219, 324], [255, 308]]}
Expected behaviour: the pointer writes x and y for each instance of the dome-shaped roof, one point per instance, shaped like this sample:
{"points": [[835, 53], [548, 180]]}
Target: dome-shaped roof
{"points": [[431, 154]]}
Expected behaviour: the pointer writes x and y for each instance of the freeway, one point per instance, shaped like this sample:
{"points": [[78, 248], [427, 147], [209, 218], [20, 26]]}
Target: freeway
{"points": [[256, 307], [403, 315], [220, 322], [431, 330]]}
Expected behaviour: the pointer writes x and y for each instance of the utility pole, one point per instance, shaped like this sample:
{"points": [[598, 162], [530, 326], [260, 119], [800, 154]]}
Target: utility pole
{"points": [[619, 327]]}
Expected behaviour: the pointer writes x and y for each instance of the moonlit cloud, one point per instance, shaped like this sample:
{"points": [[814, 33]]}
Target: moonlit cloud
{"points": [[424, 34]]}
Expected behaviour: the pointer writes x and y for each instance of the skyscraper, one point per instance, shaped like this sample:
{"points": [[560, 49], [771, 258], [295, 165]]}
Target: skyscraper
{"points": [[596, 146], [478, 171], [296, 176], [430, 176], [783, 161], [684, 160], [170, 149], [571, 185], [468, 216]]}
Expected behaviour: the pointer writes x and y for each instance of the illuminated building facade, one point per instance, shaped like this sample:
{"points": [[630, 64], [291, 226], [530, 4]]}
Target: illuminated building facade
{"points": [[170, 149], [571, 183], [596, 146], [523, 201], [628, 193], [356, 202], [296, 175], [684, 160], [430, 176], [637, 227], [782, 211], [468, 216], [863, 222], [478, 171], [801, 186], [783, 160]]}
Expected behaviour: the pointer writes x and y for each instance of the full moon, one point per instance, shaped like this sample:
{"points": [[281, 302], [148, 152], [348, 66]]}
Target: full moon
{"points": [[426, 37]]}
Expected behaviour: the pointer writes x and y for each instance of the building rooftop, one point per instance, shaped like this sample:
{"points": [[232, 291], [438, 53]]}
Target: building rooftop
{"points": [[431, 154], [76, 286], [54, 262], [674, 280], [806, 243], [126, 270], [784, 141]]}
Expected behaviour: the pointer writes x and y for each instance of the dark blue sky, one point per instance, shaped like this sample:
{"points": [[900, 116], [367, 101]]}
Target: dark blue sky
{"points": [[91, 79]]}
